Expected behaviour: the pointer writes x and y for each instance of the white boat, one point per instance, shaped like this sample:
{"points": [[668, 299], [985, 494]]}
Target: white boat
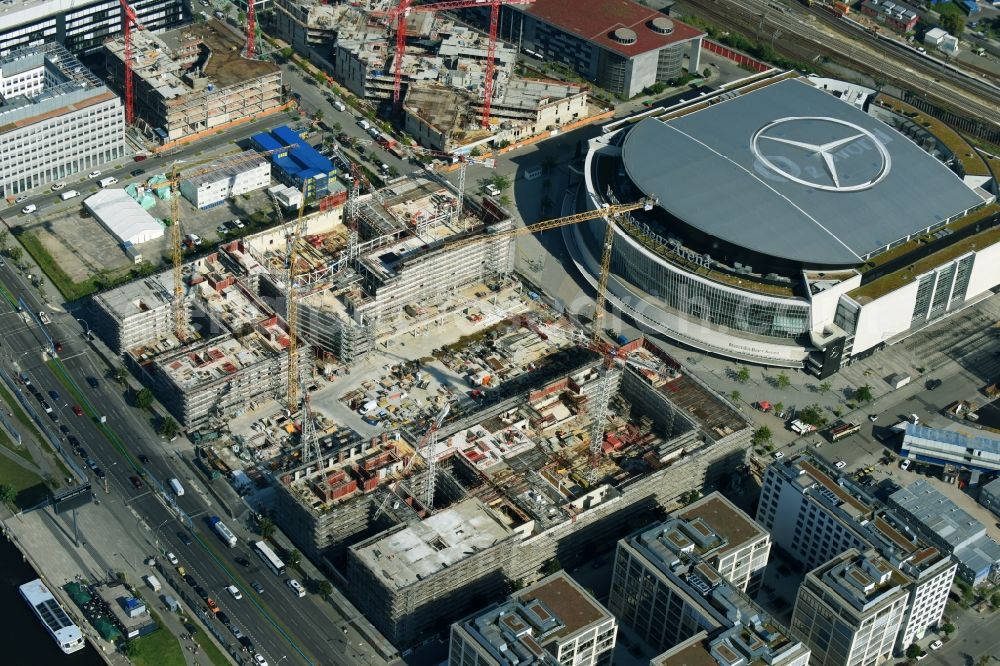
{"points": [[51, 613]]}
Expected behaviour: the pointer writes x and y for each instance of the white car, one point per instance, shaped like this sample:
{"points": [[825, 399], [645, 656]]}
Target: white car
{"points": [[93, 174], [238, 223], [172, 559], [193, 239], [905, 464], [260, 659], [936, 645], [57, 186], [778, 455], [235, 591], [840, 464], [30, 208], [23, 197]]}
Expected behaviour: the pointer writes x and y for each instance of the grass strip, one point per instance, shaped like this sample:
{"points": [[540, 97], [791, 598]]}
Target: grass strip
{"points": [[31, 488], [160, 648], [209, 648]]}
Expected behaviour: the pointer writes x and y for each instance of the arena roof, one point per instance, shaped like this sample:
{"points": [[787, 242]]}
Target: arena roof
{"points": [[790, 171]]}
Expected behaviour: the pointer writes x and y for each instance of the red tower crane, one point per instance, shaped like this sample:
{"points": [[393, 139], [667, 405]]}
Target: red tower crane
{"points": [[403, 9], [251, 31], [129, 19]]}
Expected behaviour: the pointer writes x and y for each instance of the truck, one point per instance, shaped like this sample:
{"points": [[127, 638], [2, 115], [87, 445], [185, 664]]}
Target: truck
{"points": [[843, 430], [153, 582], [69, 194], [364, 124], [800, 427], [176, 486], [224, 532], [340, 106]]}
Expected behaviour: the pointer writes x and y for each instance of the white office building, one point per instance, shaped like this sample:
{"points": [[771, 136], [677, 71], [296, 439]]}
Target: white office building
{"points": [[227, 178], [816, 515], [81, 25], [554, 621], [850, 610], [56, 119]]}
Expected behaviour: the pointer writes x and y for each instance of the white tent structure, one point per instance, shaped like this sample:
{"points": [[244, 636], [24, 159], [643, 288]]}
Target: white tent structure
{"points": [[123, 216]]}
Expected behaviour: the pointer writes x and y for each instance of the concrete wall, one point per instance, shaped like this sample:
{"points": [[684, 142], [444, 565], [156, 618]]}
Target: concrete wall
{"points": [[985, 271]]}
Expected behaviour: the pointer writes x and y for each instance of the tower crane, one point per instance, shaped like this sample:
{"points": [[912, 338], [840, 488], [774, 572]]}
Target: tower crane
{"points": [[431, 439], [293, 309], [180, 321], [464, 161], [251, 48], [403, 9], [129, 19], [609, 212]]}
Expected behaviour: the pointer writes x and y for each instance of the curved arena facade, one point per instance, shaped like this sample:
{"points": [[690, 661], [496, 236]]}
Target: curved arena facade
{"points": [[799, 222]]}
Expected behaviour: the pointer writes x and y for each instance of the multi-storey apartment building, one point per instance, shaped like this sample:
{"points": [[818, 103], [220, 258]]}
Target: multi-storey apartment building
{"points": [[850, 610], [663, 591], [554, 621], [56, 119], [816, 515]]}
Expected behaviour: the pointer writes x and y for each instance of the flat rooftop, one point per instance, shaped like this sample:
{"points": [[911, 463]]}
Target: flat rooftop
{"points": [[422, 549], [938, 514], [139, 296], [861, 579], [622, 26], [571, 604], [736, 527], [869, 187]]}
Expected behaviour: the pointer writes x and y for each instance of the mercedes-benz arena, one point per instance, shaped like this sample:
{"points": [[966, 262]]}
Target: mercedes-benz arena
{"points": [[800, 222]]}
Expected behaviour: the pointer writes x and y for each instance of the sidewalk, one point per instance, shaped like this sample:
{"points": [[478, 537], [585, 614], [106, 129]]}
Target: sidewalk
{"points": [[48, 542]]}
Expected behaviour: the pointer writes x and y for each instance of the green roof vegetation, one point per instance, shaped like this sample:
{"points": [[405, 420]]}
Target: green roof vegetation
{"points": [[887, 283], [966, 154]]}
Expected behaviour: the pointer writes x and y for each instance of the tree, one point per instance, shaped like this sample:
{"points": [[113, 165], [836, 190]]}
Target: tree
{"points": [[337, 127], [324, 588], [7, 494], [863, 393], [735, 396], [120, 375], [779, 407], [824, 387], [984, 660], [500, 182], [995, 600], [504, 200], [266, 527], [169, 427], [952, 17], [129, 648], [318, 115], [690, 496], [812, 416], [743, 374], [948, 628], [15, 253], [761, 436], [783, 380], [4, 237], [295, 557], [913, 651], [144, 398]]}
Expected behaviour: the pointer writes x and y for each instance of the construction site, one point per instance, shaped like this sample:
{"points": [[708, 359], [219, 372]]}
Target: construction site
{"points": [[191, 79], [518, 448], [440, 74]]}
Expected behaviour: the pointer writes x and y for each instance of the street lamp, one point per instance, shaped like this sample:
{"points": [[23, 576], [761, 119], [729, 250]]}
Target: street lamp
{"points": [[86, 326]]}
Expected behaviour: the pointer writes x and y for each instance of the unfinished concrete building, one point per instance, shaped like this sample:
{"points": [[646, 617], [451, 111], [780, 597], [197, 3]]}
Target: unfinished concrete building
{"points": [[448, 119], [134, 314], [193, 79], [408, 578], [410, 254], [522, 449], [306, 24]]}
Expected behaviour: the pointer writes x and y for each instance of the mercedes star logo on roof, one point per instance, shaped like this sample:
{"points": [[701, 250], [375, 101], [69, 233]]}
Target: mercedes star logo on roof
{"points": [[841, 164]]}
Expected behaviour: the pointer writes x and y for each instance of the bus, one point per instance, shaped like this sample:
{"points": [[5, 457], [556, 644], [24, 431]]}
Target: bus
{"points": [[273, 562], [844, 430]]}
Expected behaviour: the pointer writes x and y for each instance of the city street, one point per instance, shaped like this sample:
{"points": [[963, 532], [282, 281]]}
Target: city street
{"points": [[278, 623]]}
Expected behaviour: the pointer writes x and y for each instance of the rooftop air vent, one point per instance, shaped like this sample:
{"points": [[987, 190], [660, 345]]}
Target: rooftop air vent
{"points": [[624, 36], [662, 25]]}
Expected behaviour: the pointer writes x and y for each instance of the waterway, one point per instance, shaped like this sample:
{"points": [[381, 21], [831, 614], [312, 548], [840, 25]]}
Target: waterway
{"points": [[22, 635]]}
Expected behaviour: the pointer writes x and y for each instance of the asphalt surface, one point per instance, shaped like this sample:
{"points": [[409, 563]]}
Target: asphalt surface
{"points": [[267, 620]]}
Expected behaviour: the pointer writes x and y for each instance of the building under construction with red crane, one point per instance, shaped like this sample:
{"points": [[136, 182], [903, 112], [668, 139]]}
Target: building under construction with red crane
{"points": [[190, 80]]}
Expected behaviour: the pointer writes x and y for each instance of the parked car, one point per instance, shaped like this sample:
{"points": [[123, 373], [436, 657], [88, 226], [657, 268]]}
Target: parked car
{"points": [[139, 158], [223, 618], [840, 464], [21, 199], [222, 229], [93, 174], [236, 631], [933, 384], [192, 240], [30, 208], [57, 186], [99, 473], [172, 559], [91, 463], [936, 645]]}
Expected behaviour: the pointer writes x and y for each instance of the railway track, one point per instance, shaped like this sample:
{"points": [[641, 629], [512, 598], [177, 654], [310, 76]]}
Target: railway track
{"points": [[804, 40]]}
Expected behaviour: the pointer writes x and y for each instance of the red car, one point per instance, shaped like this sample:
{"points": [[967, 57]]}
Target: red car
{"points": [[77, 410], [136, 481], [139, 158]]}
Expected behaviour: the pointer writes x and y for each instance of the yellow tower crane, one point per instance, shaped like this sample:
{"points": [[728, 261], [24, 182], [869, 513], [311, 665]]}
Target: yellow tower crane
{"points": [[292, 398]]}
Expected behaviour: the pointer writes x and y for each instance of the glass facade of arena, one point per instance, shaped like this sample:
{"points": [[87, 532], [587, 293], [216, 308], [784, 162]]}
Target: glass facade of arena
{"points": [[730, 308], [942, 290]]}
